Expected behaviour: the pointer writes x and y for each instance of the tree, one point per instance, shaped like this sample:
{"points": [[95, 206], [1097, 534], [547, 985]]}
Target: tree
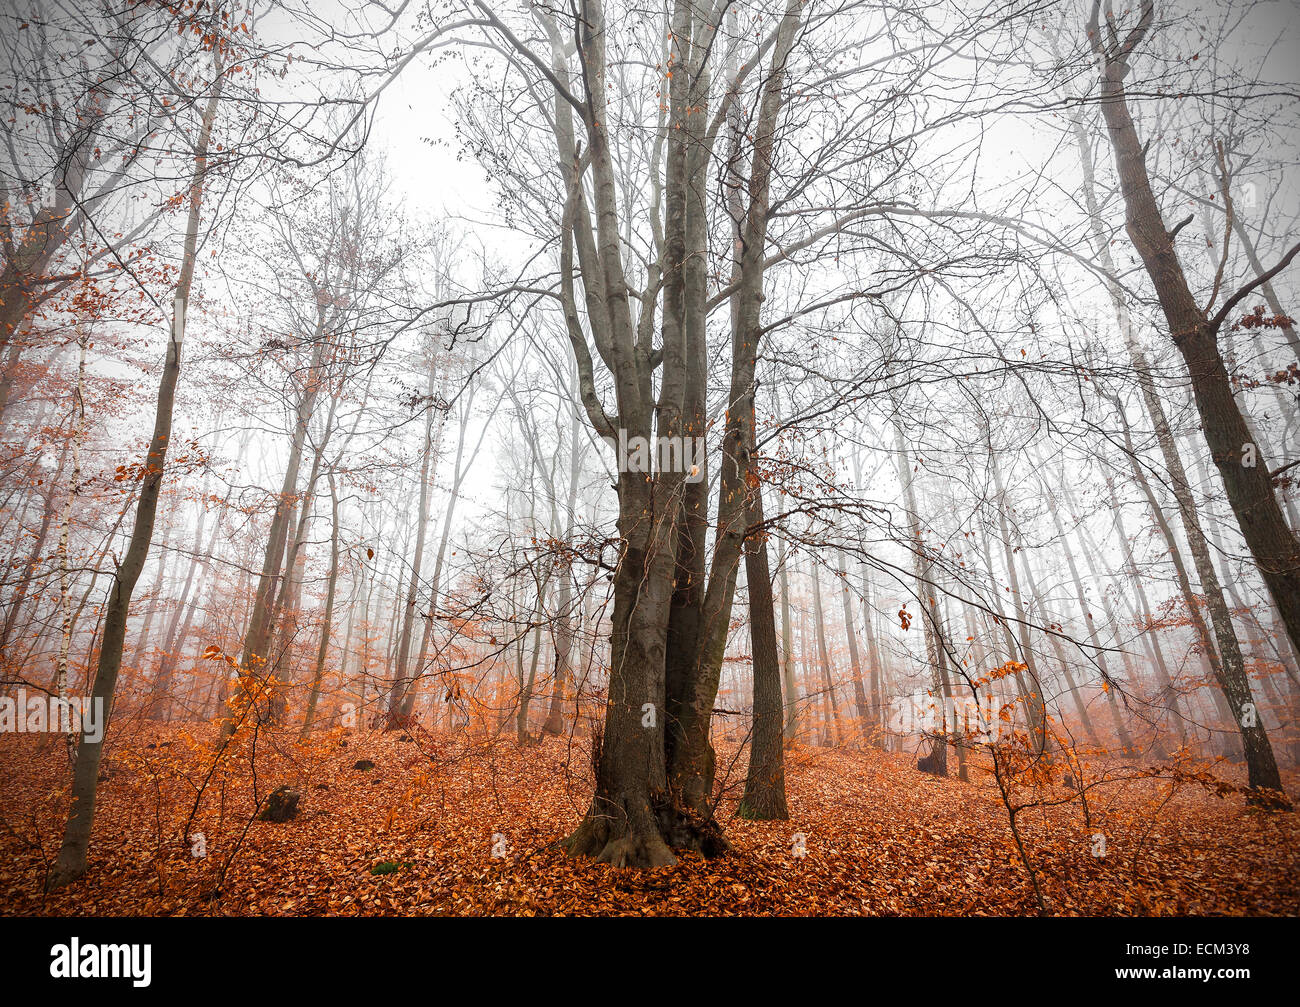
{"points": [[1194, 330], [71, 862]]}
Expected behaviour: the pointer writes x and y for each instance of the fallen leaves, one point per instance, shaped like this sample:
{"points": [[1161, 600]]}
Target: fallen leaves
{"points": [[417, 838]]}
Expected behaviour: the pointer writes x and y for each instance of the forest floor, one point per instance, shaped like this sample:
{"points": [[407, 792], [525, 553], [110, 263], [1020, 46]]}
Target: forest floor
{"points": [[417, 835]]}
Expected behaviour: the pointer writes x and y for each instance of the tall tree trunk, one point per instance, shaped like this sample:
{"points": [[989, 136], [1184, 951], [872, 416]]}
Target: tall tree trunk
{"points": [[689, 753], [1080, 707], [256, 691], [526, 685], [288, 604], [327, 618], [1145, 615], [179, 628], [1208, 650], [1099, 577], [1241, 462], [554, 723], [435, 586], [1032, 690], [926, 601], [156, 592], [820, 723], [655, 768], [764, 796], [71, 862], [1127, 748], [401, 676], [1225, 660], [563, 622], [791, 727], [877, 724], [828, 686], [861, 705], [65, 588], [956, 731]]}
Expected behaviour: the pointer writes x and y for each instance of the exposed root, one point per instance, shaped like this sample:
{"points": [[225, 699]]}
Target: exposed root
{"points": [[629, 833]]}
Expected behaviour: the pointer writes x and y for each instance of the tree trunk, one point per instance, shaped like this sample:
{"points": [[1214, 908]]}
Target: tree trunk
{"points": [[1080, 707], [861, 705], [435, 585], [829, 702], [554, 723], [1032, 691], [1208, 651], [1241, 463], [926, 601], [327, 618], [71, 862], [65, 587], [1145, 614], [791, 727], [256, 690], [179, 624], [764, 796], [401, 676], [1127, 748], [654, 776]]}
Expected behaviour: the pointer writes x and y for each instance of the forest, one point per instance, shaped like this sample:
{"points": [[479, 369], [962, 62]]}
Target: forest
{"points": [[700, 458]]}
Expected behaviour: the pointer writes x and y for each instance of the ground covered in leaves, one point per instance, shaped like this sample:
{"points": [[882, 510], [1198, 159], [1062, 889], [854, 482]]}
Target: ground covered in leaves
{"points": [[445, 826]]}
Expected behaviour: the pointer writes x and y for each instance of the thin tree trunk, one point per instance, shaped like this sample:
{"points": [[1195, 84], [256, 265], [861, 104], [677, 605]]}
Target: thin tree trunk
{"points": [[435, 586], [71, 862], [34, 559], [791, 727], [179, 628], [937, 759], [255, 666], [554, 723], [1127, 748], [327, 618], [828, 686], [401, 676], [955, 732], [873, 655], [65, 590], [1080, 707], [155, 595], [1209, 652], [855, 663], [1146, 614], [1033, 694]]}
